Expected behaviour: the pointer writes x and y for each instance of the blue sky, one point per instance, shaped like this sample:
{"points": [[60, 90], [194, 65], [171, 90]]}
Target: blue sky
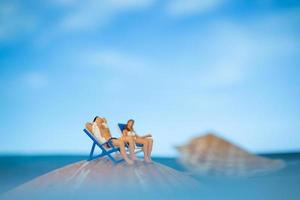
{"points": [[179, 68]]}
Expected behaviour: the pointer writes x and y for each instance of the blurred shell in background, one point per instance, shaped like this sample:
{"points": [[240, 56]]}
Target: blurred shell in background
{"points": [[212, 155]]}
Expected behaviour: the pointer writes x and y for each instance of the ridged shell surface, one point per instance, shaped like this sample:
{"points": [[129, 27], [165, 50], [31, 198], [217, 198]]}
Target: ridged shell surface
{"points": [[213, 155]]}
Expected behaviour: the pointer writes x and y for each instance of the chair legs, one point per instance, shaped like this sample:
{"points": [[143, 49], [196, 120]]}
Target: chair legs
{"points": [[92, 151], [104, 153]]}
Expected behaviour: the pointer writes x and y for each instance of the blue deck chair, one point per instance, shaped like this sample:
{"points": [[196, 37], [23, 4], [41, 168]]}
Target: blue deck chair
{"points": [[104, 149], [122, 127]]}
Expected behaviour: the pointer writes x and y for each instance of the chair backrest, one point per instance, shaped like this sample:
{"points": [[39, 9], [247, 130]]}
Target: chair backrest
{"points": [[88, 130], [121, 126], [90, 135]]}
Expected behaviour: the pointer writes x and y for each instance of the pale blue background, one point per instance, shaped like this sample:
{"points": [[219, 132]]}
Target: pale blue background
{"points": [[179, 68]]}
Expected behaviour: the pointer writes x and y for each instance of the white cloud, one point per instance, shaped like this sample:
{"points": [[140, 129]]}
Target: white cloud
{"points": [[221, 57], [230, 52], [84, 16], [63, 3], [14, 22], [237, 51], [92, 14], [223, 76], [35, 80], [77, 16], [190, 7], [113, 60]]}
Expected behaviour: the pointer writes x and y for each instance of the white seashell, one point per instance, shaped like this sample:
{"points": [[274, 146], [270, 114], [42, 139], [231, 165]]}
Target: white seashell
{"points": [[104, 178], [212, 155]]}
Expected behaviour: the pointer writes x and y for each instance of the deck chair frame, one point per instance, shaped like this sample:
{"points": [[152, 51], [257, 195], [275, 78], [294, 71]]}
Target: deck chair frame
{"points": [[105, 152]]}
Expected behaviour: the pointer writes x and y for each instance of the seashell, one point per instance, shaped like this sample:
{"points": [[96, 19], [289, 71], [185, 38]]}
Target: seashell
{"points": [[102, 178], [212, 155]]}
